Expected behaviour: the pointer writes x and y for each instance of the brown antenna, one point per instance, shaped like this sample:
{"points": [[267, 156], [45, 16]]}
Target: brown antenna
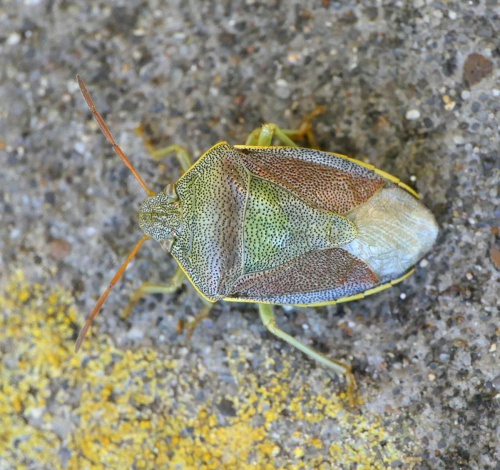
{"points": [[109, 136], [149, 192], [105, 294]]}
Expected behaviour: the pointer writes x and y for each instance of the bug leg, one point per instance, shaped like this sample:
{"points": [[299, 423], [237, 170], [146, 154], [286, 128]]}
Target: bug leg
{"points": [[263, 136], [267, 317], [152, 288], [191, 326], [181, 153]]}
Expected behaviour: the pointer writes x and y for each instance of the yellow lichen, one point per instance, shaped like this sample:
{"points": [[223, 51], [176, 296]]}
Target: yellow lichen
{"points": [[110, 408]]}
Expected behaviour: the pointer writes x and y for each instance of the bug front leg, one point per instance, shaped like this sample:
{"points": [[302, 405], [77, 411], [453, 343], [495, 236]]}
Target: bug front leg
{"points": [[263, 136], [175, 283], [152, 288], [267, 317], [182, 155]]}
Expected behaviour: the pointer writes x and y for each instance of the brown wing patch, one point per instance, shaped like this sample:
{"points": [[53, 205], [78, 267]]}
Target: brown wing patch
{"points": [[317, 276], [324, 180]]}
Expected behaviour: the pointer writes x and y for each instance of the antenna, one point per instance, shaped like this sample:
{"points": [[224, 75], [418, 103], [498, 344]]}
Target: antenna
{"points": [[105, 294], [149, 192], [105, 130]]}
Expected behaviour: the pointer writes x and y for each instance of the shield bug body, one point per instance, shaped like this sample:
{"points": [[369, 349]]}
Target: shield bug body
{"points": [[283, 225]]}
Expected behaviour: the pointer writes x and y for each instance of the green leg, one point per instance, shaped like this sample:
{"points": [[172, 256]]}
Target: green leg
{"points": [[180, 152], [152, 288], [267, 317], [177, 280], [158, 154], [264, 135], [205, 312]]}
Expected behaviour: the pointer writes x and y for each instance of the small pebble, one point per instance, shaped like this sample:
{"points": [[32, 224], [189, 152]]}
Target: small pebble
{"points": [[13, 39], [443, 357], [59, 248], [79, 147], [413, 115]]}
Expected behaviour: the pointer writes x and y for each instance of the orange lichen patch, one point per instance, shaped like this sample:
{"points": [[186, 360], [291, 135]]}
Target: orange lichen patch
{"points": [[112, 408]]}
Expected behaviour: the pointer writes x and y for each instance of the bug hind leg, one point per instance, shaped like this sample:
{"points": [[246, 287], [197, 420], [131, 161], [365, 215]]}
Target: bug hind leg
{"points": [[263, 136], [267, 317], [204, 313]]}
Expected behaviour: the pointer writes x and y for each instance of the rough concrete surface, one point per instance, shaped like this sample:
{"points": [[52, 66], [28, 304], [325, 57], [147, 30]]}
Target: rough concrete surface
{"points": [[410, 86]]}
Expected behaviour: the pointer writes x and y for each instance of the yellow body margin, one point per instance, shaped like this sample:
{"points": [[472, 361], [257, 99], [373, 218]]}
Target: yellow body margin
{"points": [[197, 162], [198, 291], [364, 294], [349, 298]]}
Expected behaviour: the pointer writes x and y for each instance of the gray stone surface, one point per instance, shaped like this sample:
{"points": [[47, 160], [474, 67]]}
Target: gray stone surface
{"points": [[391, 75]]}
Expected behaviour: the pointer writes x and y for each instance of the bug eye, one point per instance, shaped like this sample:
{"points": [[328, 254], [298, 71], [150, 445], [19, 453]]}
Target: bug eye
{"points": [[169, 191]]}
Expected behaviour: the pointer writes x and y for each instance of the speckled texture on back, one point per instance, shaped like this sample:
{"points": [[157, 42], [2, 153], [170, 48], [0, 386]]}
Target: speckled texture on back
{"points": [[213, 195], [318, 276], [257, 228], [280, 227]]}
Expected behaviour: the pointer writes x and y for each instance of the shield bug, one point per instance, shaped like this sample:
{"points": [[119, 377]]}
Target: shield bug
{"points": [[281, 225]]}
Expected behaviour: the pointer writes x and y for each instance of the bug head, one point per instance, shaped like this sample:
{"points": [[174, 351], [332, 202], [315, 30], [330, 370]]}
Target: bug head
{"points": [[160, 217]]}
